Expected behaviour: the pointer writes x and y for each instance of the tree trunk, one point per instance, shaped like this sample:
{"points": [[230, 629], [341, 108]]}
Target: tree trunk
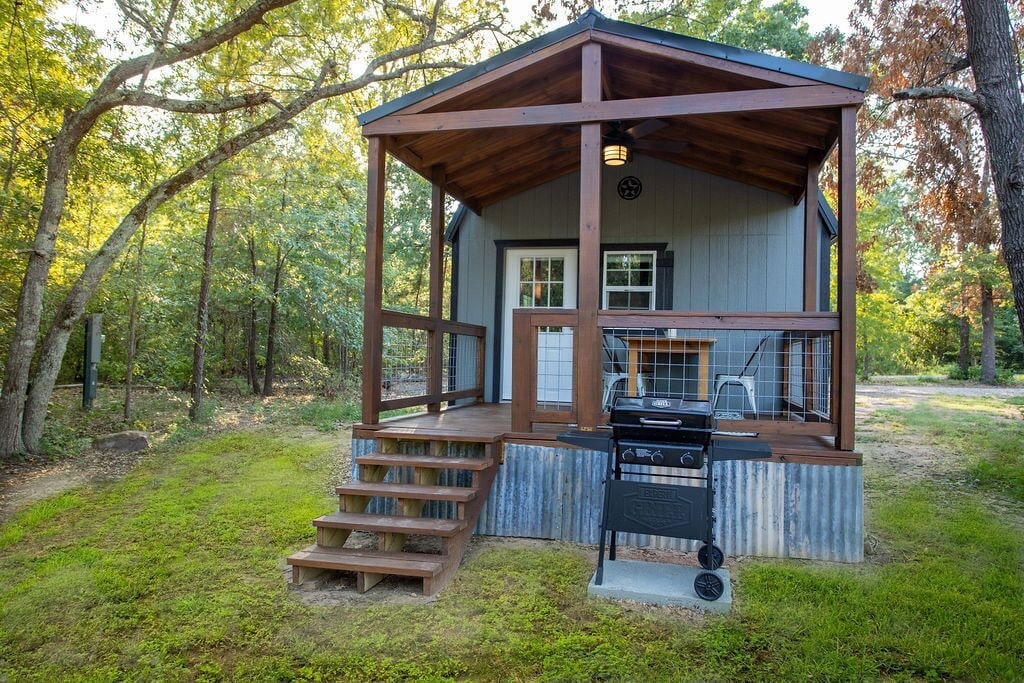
{"points": [[203, 305], [252, 370], [30, 297], [988, 335], [963, 358], [268, 374], [991, 52], [133, 329]]}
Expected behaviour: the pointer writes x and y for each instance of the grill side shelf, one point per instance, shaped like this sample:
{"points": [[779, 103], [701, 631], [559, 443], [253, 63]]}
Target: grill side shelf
{"points": [[729, 449]]}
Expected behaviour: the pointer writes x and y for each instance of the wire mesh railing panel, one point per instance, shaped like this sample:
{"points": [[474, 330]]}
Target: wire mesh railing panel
{"points": [[405, 363], [555, 368], [459, 371], [748, 374]]}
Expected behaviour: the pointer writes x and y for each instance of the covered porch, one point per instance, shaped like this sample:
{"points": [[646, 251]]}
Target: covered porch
{"points": [[783, 374]]}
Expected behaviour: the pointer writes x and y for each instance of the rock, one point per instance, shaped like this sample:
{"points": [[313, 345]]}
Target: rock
{"points": [[123, 442]]}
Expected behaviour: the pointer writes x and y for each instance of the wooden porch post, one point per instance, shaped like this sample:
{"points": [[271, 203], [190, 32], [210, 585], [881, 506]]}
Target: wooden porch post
{"points": [[588, 336], [847, 276], [373, 331], [812, 230], [436, 336]]}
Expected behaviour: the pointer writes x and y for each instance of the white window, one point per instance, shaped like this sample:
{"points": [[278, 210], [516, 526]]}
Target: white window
{"points": [[629, 280]]}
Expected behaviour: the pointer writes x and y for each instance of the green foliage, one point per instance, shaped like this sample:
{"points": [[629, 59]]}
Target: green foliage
{"points": [[775, 27]]}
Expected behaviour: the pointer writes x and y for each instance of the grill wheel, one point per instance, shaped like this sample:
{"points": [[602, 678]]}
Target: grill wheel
{"points": [[716, 560], [708, 586]]}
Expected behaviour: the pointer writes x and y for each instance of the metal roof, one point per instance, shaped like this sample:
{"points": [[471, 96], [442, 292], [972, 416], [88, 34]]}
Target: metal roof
{"points": [[594, 20]]}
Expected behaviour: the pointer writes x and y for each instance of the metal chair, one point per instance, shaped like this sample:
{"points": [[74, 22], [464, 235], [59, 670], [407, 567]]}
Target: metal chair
{"points": [[615, 369], [745, 378]]}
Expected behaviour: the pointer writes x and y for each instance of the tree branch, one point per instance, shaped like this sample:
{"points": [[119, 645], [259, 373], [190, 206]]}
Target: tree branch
{"points": [[131, 98], [164, 56], [936, 92]]}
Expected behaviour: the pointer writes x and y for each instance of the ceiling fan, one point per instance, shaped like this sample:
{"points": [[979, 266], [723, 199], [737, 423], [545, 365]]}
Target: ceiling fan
{"points": [[618, 143]]}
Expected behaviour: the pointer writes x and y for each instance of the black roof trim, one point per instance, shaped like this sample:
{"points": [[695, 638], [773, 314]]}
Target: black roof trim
{"points": [[828, 217], [592, 19], [452, 231]]}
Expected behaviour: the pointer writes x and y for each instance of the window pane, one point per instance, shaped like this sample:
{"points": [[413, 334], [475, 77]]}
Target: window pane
{"points": [[526, 295], [617, 278], [618, 261], [557, 270], [557, 295], [540, 295], [618, 300], [641, 278], [640, 300], [641, 260], [525, 269], [542, 270]]}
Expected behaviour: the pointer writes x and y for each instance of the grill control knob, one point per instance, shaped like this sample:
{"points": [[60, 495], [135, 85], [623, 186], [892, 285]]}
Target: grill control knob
{"points": [[687, 459], [657, 458], [627, 455]]}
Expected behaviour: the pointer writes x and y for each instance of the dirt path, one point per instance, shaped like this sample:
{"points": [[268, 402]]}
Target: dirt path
{"points": [[24, 483]]}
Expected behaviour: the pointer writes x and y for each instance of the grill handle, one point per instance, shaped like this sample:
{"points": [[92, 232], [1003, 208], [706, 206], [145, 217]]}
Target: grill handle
{"points": [[652, 422]]}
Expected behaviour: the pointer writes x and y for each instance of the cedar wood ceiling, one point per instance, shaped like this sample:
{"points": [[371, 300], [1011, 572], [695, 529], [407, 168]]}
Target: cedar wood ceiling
{"points": [[770, 150]]}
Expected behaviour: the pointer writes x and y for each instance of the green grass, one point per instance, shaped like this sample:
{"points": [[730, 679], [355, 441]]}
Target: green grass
{"points": [[988, 432], [175, 573]]}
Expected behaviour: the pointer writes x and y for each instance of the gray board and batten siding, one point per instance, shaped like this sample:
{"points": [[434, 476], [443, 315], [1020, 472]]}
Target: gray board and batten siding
{"points": [[734, 247], [768, 509]]}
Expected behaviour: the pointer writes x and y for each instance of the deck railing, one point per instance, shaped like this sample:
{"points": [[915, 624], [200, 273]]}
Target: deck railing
{"points": [[426, 361], [789, 374]]}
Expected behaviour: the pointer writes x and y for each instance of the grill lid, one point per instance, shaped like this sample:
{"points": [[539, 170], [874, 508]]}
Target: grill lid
{"points": [[662, 419]]}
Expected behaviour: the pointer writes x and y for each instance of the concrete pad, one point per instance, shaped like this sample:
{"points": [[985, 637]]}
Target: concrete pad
{"points": [[658, 583]]}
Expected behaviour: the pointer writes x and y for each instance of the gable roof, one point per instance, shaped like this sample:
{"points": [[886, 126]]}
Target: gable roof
{"points": [[594, 20], [505, 125]]}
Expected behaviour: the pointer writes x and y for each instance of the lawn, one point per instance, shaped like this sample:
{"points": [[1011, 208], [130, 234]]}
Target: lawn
{"points": [[176, 573]]}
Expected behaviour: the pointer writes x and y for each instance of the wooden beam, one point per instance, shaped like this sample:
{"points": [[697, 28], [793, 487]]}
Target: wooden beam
{"points": [[800, 97], [662, 52], [435, 337], [847, 276], [812, 232], [373, 331], [588, 336], [413, 161]]}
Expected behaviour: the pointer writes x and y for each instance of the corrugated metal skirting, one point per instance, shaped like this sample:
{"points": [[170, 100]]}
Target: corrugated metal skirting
{"points": [[762, 508]]}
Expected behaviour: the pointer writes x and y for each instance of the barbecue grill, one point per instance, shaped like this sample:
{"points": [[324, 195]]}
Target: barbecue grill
{"points": [[676, 435]]}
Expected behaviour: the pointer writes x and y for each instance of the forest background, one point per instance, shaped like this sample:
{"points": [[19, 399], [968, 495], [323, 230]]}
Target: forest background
{"points": [[249, 278]]}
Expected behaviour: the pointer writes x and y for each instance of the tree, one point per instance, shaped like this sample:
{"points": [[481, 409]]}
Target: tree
{"points": [[764, 26], [963, 52], [917, 49], [419, 35]]}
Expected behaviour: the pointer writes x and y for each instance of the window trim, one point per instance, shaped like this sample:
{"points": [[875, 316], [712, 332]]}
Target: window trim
{"points": [[652, 289]]}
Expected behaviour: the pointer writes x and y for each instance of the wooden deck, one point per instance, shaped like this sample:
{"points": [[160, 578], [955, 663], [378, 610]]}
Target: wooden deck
{"points": [[493, 422]]}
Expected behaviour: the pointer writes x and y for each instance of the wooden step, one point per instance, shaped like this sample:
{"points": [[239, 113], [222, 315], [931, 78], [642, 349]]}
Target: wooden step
{"points": [[423, 526], [459, 494], [359, 560], [430, 461], [427, 434]]}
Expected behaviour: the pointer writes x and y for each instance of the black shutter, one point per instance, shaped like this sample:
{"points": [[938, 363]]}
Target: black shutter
{"points": [[663, 281]]}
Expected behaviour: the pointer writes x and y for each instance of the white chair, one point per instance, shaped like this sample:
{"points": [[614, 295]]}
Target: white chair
{"points": [[615, 370], [746, 377]]}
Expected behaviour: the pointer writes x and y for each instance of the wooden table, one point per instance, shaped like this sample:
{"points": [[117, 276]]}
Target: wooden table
{"points": [[642, 345]]}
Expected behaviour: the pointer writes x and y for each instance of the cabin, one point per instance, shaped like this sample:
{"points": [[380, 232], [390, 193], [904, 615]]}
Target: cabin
{"points": [[639, 214]]}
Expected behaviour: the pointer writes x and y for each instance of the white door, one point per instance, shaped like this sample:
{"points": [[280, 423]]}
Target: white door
{"points": [[541, 278]]}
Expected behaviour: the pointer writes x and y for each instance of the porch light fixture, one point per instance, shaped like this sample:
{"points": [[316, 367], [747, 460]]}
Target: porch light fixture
{"points": [[615, 153], [615, 146]]}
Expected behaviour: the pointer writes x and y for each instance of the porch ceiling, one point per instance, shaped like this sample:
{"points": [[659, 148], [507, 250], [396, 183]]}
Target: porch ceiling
{"points": [[766, 149]]}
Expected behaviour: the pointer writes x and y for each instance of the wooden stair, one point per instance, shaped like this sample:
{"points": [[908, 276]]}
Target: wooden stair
{"points": [[333, 531]]}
